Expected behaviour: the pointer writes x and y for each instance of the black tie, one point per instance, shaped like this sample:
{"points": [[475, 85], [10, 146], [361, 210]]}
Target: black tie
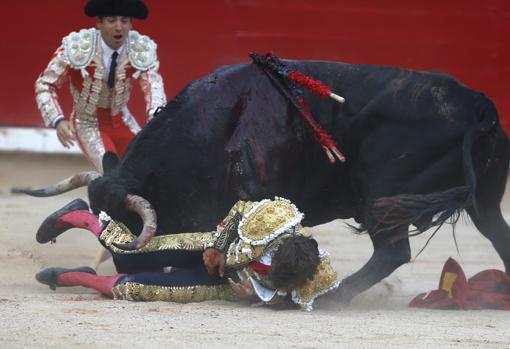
{"points": [[113, 65]]}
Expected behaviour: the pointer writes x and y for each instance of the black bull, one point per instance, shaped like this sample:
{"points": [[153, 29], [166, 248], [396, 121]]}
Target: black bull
{"points": [[420, 147]]}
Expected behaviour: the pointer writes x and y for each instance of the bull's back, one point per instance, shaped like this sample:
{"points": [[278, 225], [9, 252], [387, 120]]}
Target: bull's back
{"points": [[233, 134]]}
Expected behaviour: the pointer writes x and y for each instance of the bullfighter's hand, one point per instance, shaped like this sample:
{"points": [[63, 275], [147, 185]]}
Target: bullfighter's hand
{"points": [[65, 133], [214, 259], [244, 290]]}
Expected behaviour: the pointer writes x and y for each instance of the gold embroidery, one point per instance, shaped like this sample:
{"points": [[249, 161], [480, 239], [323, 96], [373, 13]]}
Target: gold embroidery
{"points": [[241, 253], [242, 207], [267, 220], [324, 280], [118, 233], [138, 292]]}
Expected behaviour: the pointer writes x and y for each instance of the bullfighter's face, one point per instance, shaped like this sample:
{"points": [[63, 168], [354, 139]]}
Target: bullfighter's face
{"points": [[114, 30]]}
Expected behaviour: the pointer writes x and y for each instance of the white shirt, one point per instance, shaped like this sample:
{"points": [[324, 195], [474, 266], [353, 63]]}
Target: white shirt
{"points": [[107, 56], [263, 293]]}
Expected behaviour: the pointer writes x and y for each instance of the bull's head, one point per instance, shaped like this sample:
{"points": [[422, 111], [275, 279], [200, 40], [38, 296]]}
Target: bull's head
{"points": [[106, 194]]}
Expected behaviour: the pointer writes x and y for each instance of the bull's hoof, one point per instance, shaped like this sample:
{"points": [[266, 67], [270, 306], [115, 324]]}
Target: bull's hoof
{"points": [[49, 276], [53, 226]]}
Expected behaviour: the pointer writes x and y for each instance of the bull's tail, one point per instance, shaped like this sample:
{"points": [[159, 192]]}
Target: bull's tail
{"points": [[422, 211], [433, 210]]}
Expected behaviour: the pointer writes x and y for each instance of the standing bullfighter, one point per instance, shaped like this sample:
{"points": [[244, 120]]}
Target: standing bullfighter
{"points": [[259, 252], [100, 65]]}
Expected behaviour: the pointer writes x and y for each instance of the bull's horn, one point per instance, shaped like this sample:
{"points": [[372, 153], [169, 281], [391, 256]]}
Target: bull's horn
{"points": [[78, 180], [141, 206]]}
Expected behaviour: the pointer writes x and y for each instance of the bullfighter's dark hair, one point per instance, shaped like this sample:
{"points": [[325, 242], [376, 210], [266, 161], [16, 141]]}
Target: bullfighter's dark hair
{"points": [[294, 262]]}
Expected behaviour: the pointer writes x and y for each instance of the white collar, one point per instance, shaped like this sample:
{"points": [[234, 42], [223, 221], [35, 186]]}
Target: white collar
{"points": [[107, 50]]}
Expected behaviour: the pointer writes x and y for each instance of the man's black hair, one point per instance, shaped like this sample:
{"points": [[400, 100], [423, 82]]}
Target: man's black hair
{"points": [[294, 262]]}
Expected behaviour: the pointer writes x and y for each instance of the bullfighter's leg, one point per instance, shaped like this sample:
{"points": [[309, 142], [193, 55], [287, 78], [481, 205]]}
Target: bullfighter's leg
{"points": [[90, 142], [181, 285], [164, 254], [154, 260], [172, 250], [108, 134], [73, 215], [387, 257], [121, 135], [83, 276]]}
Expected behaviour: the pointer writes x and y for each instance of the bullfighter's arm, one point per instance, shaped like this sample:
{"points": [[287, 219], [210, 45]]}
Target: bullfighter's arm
{"points": [[216, 256], [46, 86], [151, 83]]}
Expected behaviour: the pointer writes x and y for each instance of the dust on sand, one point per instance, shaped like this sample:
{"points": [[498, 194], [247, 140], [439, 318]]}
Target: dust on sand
{"points": [[32, 316]]}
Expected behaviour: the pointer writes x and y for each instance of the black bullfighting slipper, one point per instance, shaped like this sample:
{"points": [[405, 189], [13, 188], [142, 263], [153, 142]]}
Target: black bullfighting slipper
{"points": [[49, 276], [60, 221]]}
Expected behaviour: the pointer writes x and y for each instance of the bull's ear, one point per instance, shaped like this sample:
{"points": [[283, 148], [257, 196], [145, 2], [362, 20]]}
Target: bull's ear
{"points": [[110, 161]]}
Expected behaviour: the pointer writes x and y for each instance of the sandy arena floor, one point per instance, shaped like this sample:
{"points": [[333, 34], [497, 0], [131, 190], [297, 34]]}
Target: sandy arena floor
{"points": [[32, 316]]}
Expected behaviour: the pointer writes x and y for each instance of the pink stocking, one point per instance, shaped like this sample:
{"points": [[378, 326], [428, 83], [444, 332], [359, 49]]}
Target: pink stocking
{"points": [[101, 283], [81, 219]]}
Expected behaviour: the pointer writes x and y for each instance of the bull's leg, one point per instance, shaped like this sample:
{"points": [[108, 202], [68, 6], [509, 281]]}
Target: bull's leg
{"points": [[487, 215], [491, 157], [491, 224], [387, 257]]}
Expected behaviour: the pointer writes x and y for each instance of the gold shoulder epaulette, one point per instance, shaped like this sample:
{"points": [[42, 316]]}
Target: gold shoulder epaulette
{"points": [[267, 220]]}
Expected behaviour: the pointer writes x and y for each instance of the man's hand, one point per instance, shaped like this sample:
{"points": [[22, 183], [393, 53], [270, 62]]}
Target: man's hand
{"points": [[65, 133], [214, 259], [243, 290]]}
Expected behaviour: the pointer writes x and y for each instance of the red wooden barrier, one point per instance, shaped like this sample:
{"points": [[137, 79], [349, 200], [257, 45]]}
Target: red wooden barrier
{"points": [[466, 38]]}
